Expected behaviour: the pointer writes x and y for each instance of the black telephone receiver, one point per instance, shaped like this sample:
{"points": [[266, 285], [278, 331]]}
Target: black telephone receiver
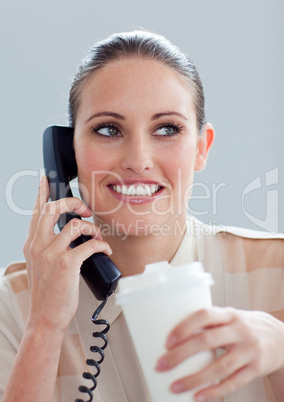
{"points": [[99, 272]]}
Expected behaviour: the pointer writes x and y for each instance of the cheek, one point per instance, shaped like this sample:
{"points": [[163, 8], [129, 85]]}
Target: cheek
{"points": [[90, 161], [96, 165], [84, 164], [180, 163], [181, 169]]}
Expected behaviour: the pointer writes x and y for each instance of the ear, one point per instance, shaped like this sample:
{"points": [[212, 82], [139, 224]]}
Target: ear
{"points": [[204, 143]]}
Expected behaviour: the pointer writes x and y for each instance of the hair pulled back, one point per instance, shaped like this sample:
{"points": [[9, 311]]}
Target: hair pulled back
{"points": [[136, 44]]}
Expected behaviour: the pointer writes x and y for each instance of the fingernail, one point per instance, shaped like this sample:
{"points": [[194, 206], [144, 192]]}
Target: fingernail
{"points": [[171, 341], [41, 179], [161, 364], [200, 398], [177, 387]]}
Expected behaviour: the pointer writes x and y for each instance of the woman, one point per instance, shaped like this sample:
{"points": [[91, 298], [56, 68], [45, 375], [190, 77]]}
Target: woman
{"points": [[137, 109]]}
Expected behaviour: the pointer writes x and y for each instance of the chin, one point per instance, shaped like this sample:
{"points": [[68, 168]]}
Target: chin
{"points": [[125, 225]]}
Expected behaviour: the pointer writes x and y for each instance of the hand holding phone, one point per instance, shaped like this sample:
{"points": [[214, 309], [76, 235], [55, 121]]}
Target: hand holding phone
{"points": [[99, 272]]}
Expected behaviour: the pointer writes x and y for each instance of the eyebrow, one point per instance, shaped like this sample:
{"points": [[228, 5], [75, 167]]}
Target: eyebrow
{"points": [[158, 115], [112, 114], [119, 116]]}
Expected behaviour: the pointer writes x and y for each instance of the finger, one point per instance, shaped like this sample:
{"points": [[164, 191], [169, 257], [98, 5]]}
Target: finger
{"points": [[197, 321], [42, 198], [74, 229], [227, 386], [52, 211], [210, 339], [80, 253], [219, 370]]}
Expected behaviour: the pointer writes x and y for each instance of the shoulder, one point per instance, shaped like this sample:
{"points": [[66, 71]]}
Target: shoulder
{"points": [[15, 276], [13, 312], [254, 248], [14, 295], [259, 249], [198, 227], [14, 307], [15, 267]]}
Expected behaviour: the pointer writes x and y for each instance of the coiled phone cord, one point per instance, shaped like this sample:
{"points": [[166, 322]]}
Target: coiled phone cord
{"points": [[95, 349]]}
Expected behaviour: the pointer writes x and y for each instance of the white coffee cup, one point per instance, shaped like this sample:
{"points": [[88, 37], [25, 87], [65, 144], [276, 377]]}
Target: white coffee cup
{"points": [[153, 303]]}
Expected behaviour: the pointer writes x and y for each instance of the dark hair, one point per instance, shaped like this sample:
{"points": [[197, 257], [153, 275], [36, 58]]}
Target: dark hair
{"points": [[136, 44]]}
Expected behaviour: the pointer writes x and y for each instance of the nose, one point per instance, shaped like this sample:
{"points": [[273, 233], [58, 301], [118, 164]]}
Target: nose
{"points": [[138, 154]]}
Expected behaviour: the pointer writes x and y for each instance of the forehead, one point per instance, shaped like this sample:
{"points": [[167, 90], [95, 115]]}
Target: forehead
{"points": [[136, 83]]}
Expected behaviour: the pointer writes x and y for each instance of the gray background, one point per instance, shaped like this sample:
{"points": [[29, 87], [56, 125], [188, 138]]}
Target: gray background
{"points": [[238, 49]]}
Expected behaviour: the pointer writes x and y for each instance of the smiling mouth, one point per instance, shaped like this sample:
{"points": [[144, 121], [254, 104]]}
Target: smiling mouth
{"points": [[137, 190]]}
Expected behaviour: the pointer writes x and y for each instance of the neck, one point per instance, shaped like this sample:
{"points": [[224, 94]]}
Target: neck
{"points": [[132, 253]]}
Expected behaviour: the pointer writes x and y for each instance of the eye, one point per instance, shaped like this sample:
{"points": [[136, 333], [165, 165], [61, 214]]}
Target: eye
{"points": [[107, 130], [168, 130]]}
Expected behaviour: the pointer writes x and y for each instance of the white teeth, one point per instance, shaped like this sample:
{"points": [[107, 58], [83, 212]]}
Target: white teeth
{"points": [[139, 190], [153, 188], [131, 191], [147, 190], [124, 189]]}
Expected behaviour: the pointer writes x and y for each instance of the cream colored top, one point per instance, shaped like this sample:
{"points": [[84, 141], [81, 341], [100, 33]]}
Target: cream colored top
{"points": [[248, 270]]}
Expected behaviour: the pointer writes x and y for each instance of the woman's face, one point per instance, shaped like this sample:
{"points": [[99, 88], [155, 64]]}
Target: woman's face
{"points": [[137, 146]]}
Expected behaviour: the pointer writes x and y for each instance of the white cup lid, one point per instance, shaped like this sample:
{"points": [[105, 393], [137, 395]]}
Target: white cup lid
{"points": [[161, 278]]}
